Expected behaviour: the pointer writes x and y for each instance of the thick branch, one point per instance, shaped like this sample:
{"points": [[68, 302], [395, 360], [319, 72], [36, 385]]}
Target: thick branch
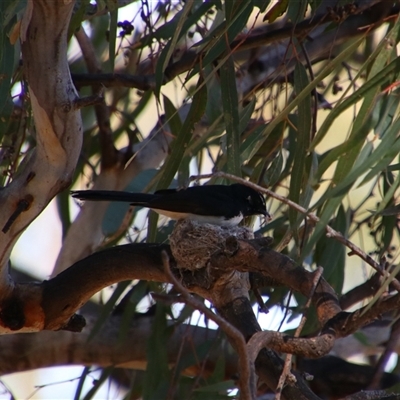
{"points": [[51, 304], [107, 347], [335, 378], [249, 256], [49, 167]]}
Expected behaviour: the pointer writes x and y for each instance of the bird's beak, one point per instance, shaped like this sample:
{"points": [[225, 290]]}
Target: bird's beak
{"points": [[267, 215]]}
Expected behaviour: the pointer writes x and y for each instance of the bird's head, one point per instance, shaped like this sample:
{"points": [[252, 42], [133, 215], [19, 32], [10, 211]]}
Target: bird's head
{"points": [[253, 200]]}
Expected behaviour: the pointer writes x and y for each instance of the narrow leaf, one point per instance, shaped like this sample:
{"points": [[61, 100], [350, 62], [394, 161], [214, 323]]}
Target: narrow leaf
{"points": [[330, 254], [297, 180], [276, 11], [157, 373], [231, 116], [112, 39]]}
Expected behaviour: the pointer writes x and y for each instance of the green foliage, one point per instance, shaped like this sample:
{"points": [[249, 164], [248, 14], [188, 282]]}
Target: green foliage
{"points": [[166, 54], [157, 374]]}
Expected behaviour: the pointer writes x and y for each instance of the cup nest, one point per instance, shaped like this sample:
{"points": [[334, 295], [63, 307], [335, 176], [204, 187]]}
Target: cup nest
{"points": [[193, 244]]}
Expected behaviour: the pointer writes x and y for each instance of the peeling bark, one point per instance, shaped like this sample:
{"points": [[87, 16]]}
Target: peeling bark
{"points": [[48, 168]]}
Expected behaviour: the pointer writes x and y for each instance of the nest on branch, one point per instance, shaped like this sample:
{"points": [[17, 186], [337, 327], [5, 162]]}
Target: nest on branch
{"points": [[193, 244]]}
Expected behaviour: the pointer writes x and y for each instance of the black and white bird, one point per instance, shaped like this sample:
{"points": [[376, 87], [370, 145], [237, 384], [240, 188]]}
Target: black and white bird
{"points": [[213, 204]]}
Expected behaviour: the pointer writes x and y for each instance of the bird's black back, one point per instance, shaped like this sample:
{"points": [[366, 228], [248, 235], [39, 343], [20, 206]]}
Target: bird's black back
{"points": [[198, 200]]}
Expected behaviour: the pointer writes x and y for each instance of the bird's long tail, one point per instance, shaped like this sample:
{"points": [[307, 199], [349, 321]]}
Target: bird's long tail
{"points": [[137, 199]]}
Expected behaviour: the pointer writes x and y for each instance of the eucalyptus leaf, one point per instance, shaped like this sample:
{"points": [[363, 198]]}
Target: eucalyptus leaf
{"points": [[231, 116], [298, 182]]}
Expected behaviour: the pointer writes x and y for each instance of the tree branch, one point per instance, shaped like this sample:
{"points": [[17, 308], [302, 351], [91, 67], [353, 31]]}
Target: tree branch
{"points": [[48, 168], [108, 348]]}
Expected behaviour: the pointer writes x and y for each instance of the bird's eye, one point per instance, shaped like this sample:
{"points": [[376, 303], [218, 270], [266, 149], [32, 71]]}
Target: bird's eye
{"points": [[250, 199]]}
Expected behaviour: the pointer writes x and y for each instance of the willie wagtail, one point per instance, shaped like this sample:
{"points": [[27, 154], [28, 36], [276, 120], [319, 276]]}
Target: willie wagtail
{"points": [[214, 204]]}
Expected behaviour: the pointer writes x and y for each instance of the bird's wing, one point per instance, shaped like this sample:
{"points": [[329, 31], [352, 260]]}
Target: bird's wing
{"points": [[187, 201], [166, 191]]}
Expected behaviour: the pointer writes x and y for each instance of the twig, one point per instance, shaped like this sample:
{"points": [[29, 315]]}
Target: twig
{"points": [[247, 370], [367, 289], [287, 308], [313, 347], [330, 231], [126, 222], [109, 155], [94, 99], [288, 359], [372, 395], [22, 206], [314, 91]]}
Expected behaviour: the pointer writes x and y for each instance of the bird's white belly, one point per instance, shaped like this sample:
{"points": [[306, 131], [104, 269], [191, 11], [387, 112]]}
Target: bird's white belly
{"points": [[204, 219]]}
